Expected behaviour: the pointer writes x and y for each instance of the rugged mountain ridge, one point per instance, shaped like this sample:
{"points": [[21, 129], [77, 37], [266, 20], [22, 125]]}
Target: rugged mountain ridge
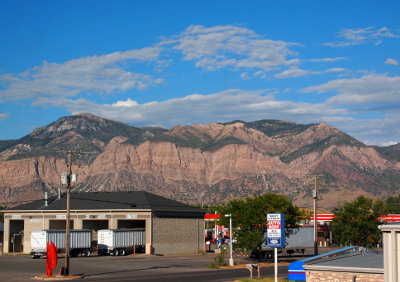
{"points": [[199, 163]]}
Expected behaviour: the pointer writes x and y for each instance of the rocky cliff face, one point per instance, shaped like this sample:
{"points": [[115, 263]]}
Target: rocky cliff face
{"points": [[200, 163]]}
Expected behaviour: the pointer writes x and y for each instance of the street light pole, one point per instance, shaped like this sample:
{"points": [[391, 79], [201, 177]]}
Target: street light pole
{"points": [[231, 261]]}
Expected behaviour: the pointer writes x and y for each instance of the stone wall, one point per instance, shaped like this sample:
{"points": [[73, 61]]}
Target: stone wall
{"points": [[323, 276]]}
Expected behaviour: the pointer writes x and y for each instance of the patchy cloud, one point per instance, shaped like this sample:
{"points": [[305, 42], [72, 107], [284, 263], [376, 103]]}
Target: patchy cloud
{"points": [[292, 72], [4, 116], [98, 74], [197, 108], [371, 89], [392, 62], [231, 47], [328, 60], [351, 37]]}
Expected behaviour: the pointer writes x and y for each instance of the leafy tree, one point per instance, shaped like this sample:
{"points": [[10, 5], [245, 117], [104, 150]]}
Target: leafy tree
{"points": [[249, 218], [393, 204], [356, 222]]}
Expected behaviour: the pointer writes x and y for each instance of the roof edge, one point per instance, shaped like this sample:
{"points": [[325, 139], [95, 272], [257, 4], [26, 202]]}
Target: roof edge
{"points": [[344, 269]]}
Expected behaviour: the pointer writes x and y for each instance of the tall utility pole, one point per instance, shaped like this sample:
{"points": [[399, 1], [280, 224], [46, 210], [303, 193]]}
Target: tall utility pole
{"points": [[315, 196], [70, 153]]}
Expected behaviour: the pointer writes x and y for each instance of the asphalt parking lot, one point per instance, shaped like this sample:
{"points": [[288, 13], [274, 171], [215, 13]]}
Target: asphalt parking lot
{"points": [[132, 268], [149, 268]]}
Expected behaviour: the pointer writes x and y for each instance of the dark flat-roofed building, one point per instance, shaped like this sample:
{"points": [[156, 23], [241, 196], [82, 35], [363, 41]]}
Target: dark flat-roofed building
{"points": [[171, 227]]}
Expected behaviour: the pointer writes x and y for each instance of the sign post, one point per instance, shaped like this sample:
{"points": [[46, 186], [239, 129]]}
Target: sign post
{"points": [[276, 235]]}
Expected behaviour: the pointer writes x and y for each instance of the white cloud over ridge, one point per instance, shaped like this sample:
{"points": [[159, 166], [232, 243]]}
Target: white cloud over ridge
{"points": [[339, 111], [196, 108], [371, 89], [236, 104]]}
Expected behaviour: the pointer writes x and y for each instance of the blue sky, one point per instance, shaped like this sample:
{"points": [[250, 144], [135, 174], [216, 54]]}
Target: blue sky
{"points": [[167, 63]]}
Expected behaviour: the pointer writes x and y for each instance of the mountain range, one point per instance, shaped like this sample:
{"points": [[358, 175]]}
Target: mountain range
{"points": [[198, 164]]}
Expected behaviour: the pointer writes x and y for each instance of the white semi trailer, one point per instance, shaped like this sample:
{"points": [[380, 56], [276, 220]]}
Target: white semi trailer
{"points": [[120, 242], [298, 242], [80, 241]]}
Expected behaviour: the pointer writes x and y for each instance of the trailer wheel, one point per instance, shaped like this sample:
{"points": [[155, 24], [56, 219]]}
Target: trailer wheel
{"points": [[116, 252], [123, 252], [86, 253]]}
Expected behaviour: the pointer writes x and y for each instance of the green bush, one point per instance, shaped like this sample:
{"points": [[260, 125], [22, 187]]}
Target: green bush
{"points": [[218, 260]]}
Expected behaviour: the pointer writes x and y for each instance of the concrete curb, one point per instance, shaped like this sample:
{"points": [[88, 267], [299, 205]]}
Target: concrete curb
{"points": [[57, 278]]}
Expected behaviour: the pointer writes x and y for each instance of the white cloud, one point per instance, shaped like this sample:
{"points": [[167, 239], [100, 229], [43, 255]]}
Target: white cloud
{"points": [[236, 104], [328, 60], [372, 104], [296, 72], [4, 116], [329, 71], [245, 76], [351, 37], [336, 70], [127, 103], [231, 46], [292, 72], [371, 89], [222, 106], [389, 143], [99, 74], [392, 62]]}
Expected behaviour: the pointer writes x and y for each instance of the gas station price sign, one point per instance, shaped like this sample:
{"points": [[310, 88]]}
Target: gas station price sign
{"points": [[276, 230]]}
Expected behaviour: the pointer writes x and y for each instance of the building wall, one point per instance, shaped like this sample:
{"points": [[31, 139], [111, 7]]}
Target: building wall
{"points": [[323, 276], [391, 251], [168, 235], [178, 235], [33, 220]]}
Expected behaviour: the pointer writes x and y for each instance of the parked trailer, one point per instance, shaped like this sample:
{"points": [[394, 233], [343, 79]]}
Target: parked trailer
{"points": [[80, 241], [295, 243], [118, 242]]}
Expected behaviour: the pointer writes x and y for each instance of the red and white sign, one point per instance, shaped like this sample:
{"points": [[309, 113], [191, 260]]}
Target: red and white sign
{"points": [[274, 225], [330, 217], [212, 216], [324, 217]]}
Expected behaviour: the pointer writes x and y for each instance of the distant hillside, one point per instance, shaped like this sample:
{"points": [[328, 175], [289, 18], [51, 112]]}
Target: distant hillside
{"points": [[202, 163]]}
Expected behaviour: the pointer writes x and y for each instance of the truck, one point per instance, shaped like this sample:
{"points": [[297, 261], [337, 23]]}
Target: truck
{"points": [[120, 242], [297, 242], [80, 241]]}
